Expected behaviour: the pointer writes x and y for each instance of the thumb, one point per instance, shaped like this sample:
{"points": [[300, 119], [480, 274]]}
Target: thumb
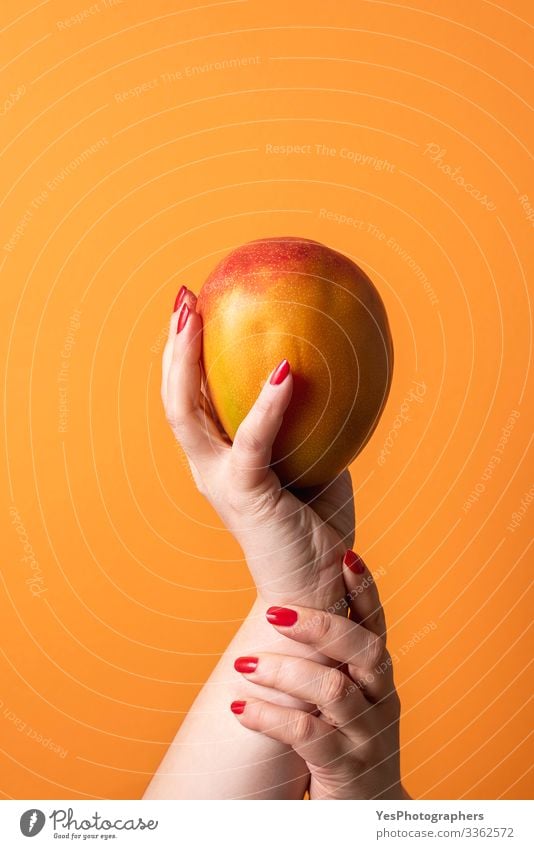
{"points": [[253, 442]]}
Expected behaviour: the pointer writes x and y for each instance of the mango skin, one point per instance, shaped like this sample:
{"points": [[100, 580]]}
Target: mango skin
{"points": [[294, 298]]}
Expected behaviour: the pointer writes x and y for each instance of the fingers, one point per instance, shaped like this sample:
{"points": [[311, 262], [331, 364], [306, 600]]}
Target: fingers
{"points": [[366, 609], [312, 738], [365, 605], [169, 345], [181, 381], [340, 639], [251, 450], [332, 635], [334, 693]]}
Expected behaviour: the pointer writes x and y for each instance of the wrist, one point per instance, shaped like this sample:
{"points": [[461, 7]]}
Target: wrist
{"points": [[321, 588], [329, 597], [308, 574]]}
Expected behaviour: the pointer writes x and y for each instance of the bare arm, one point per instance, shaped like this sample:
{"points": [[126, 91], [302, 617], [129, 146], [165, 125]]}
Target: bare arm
{"points": [[212, 755], [293, 547]]}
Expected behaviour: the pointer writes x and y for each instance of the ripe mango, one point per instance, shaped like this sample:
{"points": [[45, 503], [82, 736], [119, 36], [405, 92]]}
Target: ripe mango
{"points": [[298, 299]]}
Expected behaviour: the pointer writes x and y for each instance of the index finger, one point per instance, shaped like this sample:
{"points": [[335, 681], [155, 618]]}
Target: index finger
{"points": [[341, 639], [334, 636]]}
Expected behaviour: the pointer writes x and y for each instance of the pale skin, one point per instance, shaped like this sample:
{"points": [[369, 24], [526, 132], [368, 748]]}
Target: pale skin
{"points": [[320, 711]]}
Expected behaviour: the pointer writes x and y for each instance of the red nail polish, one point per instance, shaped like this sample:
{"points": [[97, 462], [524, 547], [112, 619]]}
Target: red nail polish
{"points": [[237, 707], [282, 616], [354, 562], [246, 664], [182, 318], [280, 373], [179, 297]]}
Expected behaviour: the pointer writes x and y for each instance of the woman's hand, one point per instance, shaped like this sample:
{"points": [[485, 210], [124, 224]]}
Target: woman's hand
{"points": [[293, 545], [351, 743]]}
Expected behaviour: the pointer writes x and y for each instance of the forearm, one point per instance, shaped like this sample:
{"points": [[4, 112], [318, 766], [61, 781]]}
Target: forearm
{"points": [[212, 755]]}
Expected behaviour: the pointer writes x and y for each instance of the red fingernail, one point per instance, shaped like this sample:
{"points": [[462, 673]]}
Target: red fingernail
{"points": [[282, 616], [182, 318], [246, 664], [354, 562], [237, 707], [179, 297], [280, 373]]}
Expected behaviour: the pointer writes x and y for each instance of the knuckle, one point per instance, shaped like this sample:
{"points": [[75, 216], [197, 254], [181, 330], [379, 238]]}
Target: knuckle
{"points": [[264, 405], [261, 717], [323, 625], [184, 428], [364, 752], [333, 687], [303, 727], [169, 408], [174, 418], [247, 442], [373, 651], [379, 622], [198, 479], [395, 703], [278, 676]]}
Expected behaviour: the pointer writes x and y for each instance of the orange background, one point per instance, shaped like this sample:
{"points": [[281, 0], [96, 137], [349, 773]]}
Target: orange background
{"points": [[136, 586]]}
